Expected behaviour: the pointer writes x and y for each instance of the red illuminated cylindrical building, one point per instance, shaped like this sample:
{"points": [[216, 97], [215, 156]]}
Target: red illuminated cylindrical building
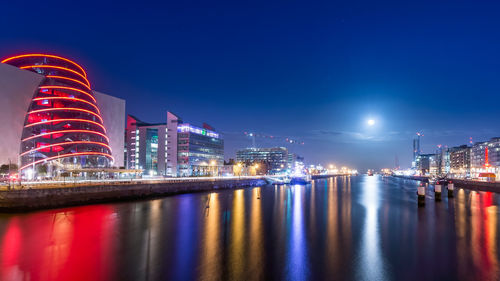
{"points": [[63, 126]]}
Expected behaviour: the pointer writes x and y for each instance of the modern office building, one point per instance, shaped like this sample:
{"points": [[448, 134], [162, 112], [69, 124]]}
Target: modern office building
{"points": [[494, 152], [460, 161], [294, 160], [200, 150], [423, 163], [52, 119], [173, 148], [485, 157], [145, 146], [445, 161], [478, 154], [276, 158]]}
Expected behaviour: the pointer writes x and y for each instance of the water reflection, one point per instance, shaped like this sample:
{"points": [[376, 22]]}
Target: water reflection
{"points": [[210, 258], [63, 245], [256, 239], [237, 257], [338, 228], [484, 235], [372, 265], [297, 268]]}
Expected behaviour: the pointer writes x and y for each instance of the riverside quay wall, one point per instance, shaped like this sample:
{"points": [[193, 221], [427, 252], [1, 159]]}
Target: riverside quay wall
{"points": [[466, 184], [477, 185], [27, 199]]}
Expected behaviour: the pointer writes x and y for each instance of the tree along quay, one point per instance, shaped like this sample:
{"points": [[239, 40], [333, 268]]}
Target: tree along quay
{"points": [[27, 199]]}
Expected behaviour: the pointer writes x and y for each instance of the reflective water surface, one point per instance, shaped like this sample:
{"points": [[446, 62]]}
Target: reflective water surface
{"points": [[358, 228]]}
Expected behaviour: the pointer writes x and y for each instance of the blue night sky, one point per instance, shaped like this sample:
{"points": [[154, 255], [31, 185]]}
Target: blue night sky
{"points": [[307, 70]]}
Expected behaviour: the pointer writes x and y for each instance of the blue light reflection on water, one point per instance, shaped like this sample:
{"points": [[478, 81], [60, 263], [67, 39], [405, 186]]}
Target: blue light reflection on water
{"points": [[297, 268], [186, 229]]}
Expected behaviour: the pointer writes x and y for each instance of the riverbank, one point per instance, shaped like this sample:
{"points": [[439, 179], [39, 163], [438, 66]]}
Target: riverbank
{"points": [[28, 199], [416, 178], [467, 184], [315, 177]]}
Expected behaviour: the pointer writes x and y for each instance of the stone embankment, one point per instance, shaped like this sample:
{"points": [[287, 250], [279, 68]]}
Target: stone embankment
{"points": [[27, 199], [467, 184]]}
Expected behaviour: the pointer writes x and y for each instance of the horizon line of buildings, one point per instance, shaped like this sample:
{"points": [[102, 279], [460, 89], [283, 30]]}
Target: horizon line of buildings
{"points": [[464, 161]]}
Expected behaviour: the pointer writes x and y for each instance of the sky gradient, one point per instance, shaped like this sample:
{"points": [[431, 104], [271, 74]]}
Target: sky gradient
{"points": [[311, 71]]}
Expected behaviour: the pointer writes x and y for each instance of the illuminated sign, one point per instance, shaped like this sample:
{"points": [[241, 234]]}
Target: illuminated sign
{"points": [[195, 130]]}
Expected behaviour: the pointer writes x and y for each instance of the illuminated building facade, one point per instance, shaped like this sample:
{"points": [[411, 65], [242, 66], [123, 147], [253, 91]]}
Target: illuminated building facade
{"points": [[146, 146], [56, 121], [276, 158], [200, 150], [173, 148], [423, 163], [485, 157], [460, 161]]}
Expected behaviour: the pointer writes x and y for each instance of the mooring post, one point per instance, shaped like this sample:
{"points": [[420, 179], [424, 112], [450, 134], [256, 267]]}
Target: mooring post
{"points": [[437, 191], [451, 187], [421, 194]]}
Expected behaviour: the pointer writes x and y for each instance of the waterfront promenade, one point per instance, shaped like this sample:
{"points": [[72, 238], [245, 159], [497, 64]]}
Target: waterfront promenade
{"points": [[54, 194], [28, 196]]}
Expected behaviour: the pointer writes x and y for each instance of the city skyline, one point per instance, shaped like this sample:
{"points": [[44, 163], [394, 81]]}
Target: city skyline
{"points": [[315, 73]]}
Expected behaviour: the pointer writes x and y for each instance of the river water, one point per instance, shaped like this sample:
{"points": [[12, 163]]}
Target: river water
{"points": [[343, 228]]}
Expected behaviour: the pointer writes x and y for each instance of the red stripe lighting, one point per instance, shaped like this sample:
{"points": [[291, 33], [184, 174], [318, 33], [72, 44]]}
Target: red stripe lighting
{"points": [[66, 120], [56, 67], [67, 155], [49, 56], [69, 79], [68, 88], [66, 143], [68, 98], [66, 108], [59, 120], [64, 132]]}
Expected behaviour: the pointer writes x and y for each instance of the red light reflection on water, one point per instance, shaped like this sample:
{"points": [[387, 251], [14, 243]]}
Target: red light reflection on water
{"points": [[484, 235], [64, 245]]}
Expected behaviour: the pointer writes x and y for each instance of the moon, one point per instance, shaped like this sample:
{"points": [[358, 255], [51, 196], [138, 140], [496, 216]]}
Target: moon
{"points": [[370, 122]]}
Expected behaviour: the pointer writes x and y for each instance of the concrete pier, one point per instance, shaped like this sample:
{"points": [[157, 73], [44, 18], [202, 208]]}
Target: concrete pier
{"points": [[451, 188], [437, 192], [421, 194], [43, 198]]}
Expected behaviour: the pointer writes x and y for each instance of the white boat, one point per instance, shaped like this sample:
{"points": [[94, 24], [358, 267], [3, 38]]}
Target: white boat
{"points": [[300, 179], [277, 180]]}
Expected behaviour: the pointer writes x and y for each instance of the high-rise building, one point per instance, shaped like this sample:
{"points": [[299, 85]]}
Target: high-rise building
{"points": [[416, 148], [53, 120], [293, 160], [276, 158], [173, 148], [478, 155], [423, 163], [485, 157], [494, 152], [199, 150], [146, 146], [445, 161], [460, 161]]}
